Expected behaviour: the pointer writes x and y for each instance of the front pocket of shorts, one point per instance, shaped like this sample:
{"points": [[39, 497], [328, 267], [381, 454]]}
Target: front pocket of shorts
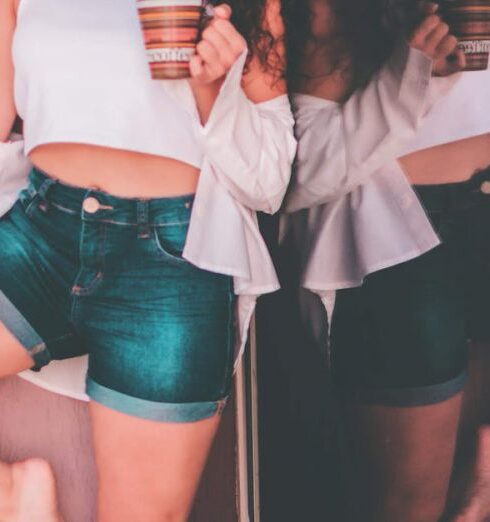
{"points": [[170, 241]]}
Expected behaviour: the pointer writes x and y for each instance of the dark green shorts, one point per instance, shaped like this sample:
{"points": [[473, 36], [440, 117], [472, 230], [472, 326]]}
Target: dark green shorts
{"points": [[84, 272], [401, 339]]}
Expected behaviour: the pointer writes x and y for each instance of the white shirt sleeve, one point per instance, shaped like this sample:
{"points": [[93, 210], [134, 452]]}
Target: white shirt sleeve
{"points": [[251, 147], [341, 144], [14, 170]]}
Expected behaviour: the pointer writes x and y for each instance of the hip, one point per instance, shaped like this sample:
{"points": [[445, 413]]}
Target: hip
{"points": [[105, 237]]}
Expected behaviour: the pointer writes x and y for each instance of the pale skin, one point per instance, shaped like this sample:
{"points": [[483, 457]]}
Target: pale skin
{"points": [[146, 470], [407, 453]]}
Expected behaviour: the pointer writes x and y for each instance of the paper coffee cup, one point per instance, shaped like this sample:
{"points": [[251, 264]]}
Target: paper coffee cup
{"points": [[171, 30], [469, 21]]}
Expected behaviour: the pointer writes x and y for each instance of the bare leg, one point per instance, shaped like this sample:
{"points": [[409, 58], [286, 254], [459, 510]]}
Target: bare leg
{"points": [[147, 470], [478, 507], [14, 358], [473, 460], [403, 459], [27, 489]]}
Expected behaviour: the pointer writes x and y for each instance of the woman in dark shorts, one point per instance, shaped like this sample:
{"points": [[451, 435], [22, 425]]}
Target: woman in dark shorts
{"points": [[405, 270]]}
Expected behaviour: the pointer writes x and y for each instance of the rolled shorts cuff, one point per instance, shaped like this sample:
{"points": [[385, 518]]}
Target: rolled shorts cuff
{"points": [[20, 328], [151, 410], [409, 397]]}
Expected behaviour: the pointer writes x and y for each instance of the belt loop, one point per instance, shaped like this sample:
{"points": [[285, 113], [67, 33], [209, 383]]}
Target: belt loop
{"points": [[42, 192], [45, 186], [142, 218]]}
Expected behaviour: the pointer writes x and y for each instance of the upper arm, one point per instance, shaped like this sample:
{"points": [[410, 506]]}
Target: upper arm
{"points": [[262, 85], [7, 105]]}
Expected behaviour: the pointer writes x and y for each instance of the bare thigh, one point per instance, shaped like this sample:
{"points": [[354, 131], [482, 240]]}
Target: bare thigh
{"points": [[13, 356], [148, 470]]}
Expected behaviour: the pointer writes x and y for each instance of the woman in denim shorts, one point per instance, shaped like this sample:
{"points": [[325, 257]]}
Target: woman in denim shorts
{"points": [[134, 240], [390, 203]]}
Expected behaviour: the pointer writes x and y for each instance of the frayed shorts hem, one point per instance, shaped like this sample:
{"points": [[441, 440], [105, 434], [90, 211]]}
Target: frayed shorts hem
{"points": [[409, 397], [156, 411]]}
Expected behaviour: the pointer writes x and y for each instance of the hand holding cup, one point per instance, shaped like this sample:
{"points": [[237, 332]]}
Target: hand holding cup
{"points": [[433, 38], [220, 46]]}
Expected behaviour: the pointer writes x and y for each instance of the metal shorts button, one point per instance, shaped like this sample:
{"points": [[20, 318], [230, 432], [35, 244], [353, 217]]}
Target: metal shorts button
{"points": [[91, 205], [485, 187]]}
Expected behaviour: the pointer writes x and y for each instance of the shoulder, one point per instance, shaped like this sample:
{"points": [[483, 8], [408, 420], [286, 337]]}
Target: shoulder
{"points": [[264, 77]]}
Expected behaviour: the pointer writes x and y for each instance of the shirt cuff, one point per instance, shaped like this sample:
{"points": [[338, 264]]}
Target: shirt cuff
{"points": [[418, 85], [228, 95]]}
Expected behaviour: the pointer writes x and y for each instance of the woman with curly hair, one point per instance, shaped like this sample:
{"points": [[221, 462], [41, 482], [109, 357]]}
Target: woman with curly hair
{"points": [[135, 239], [389, 206]]}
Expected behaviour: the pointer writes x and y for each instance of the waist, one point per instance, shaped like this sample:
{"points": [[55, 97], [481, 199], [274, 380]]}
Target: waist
{"points": [[459, 196], [448, 163], [99, 206], [118, 172]]}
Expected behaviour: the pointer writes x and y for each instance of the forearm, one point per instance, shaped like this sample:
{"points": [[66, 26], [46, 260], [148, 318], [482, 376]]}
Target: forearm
{"points": [[205, 96], [6, 125]]}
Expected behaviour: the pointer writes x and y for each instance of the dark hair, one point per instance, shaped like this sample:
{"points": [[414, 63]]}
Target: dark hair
{"points": [[365, 34], [249, 18]]}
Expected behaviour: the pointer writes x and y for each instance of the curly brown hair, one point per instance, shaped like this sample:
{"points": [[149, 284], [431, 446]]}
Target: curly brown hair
{"points": [[366, 32], [249, 17]]}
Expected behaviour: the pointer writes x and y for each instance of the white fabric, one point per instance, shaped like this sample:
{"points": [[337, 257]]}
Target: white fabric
{"points": [[341, 145], [463, 113], [14, 169], [81, 76], [357, 211], [247, 151]]}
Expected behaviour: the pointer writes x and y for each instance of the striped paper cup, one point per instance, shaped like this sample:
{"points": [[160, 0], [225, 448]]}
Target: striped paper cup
{"points": [[469, 21], [170, 30]]}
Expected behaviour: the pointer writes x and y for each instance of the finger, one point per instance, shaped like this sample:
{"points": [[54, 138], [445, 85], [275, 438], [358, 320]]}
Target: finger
{"points": [[461, 60], [227, 55], [211, 59], [446, 47], [196, 66], [458, 63], [435, 38], [429, 8], [207, 52], [223, 11], [422, 32], [233, 37]]}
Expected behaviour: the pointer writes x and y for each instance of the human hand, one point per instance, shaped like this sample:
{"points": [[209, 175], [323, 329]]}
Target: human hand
{"points": [[432, 37], [218, 50]]}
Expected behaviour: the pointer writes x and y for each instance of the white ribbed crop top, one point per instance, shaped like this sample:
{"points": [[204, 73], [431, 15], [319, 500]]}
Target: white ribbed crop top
{"points": [[463, 113], [81, 76]]}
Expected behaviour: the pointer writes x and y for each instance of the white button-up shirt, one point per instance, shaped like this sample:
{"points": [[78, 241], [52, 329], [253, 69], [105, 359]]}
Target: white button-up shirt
{"points": [[248, 151], [353, 211]]}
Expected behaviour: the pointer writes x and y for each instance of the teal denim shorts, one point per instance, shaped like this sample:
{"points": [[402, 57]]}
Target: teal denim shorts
{"points": [[84, 272]]}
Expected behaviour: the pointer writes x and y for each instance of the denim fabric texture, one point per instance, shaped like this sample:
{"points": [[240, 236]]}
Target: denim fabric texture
{"points": [[84, 272], [401, 338]]}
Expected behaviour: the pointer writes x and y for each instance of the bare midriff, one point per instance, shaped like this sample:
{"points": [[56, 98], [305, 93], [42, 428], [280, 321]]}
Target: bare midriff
{"points": [[121, 173], [448, 163]]}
